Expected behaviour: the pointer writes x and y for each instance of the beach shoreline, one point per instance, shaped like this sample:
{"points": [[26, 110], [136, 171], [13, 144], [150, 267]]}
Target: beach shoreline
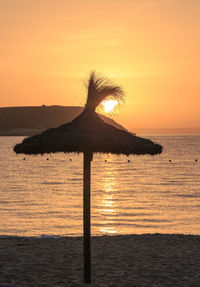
{"points": [[123, 260]]}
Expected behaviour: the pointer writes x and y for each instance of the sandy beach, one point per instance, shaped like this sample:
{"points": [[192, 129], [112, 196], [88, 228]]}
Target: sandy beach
{"points": [[131, 260]]}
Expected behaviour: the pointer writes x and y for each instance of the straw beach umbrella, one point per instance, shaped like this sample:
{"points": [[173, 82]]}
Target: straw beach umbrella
{"points": [[89, 134]]}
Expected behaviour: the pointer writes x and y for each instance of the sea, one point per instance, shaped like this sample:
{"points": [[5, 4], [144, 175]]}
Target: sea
{"points": [[43, 195]]}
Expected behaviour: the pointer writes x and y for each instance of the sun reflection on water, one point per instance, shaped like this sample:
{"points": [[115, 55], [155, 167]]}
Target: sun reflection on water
{"points": [[108, 206]]}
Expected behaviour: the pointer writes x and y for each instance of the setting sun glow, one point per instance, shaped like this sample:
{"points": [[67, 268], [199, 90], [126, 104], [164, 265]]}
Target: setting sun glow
{"points": [[109, 105], [150, 48]]}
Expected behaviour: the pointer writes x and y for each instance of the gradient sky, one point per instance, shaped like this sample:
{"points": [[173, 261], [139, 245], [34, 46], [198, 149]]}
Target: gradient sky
{"points": [[150, 47]]}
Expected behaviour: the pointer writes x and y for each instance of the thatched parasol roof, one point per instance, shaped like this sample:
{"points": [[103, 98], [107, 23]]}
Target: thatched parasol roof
{"points": [[88, 132]]}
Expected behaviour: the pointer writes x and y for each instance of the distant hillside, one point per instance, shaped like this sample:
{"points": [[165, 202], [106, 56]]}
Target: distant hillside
{"points": [[31, 120]]}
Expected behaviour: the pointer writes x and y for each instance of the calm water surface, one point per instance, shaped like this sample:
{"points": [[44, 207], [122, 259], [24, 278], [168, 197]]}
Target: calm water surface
{"points": [[149, 194]]}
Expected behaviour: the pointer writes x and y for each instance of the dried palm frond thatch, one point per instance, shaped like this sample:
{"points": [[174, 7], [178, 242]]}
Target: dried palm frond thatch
{"points": [[99, 88], [88, 132]]}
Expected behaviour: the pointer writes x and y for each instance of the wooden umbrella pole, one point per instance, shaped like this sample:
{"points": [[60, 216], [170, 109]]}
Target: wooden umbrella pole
{"points": [[86, 216]]}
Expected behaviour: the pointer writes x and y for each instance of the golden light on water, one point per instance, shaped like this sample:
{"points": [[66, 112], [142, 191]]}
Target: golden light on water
{"points": [[109, 105], [108, 205]]}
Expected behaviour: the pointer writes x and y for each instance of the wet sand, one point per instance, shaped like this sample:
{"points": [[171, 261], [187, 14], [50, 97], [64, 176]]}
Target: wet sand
{"points": [[132, 260]]}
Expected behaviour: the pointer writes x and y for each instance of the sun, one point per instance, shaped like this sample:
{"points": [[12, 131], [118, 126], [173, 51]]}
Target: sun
{"points": [[109, 105]]}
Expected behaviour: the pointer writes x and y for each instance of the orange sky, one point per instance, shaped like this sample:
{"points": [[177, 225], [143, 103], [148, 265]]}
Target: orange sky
{"points": [[150, 47]]}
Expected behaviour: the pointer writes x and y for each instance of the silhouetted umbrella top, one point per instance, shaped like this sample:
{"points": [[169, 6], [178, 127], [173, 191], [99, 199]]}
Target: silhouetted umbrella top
{"points": [[89, 134]]}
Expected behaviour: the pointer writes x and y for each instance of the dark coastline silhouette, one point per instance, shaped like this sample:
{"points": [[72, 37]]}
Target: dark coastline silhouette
{"points": [[26, 121]]}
